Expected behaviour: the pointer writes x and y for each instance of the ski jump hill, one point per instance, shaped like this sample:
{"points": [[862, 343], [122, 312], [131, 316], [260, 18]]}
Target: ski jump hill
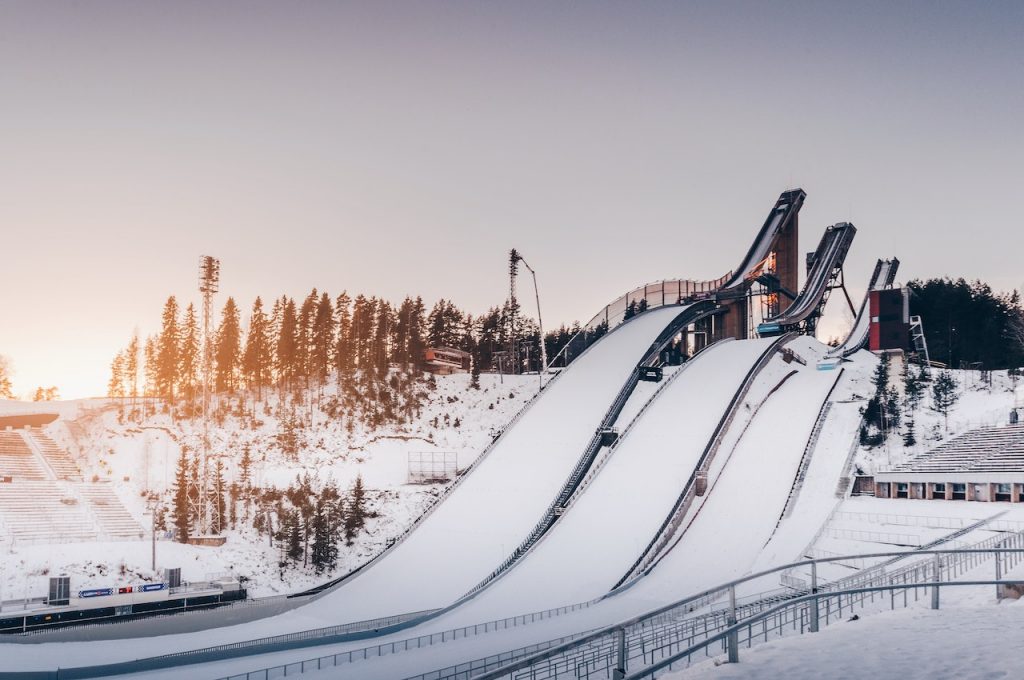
{"points": [[665, 453]]}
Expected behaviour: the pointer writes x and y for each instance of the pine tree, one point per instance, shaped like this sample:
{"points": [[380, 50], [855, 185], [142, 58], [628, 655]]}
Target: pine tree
{"points": [[293, 536], [417, 324], [944, 395], [909, 435], [245, 479], [169, 351], [304, 344], [344, 357], [287, 345], [322, 342], [131, 370], [362, 331], [474, 375], [181, 498], [258, 358], [355, 517], [115, 388], [6, 390], [190, 358], [382, 334], [228, 349], [326, 525]]}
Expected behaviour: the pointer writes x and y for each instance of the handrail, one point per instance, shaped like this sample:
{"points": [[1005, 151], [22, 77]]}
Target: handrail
{"points": [[664, 532], [607, 631], [685, 290], [805, 599]]}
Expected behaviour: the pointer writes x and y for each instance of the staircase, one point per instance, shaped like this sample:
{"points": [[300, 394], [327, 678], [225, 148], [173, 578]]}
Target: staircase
{"points": [[59, 460], [114, 520], [17, 459]]}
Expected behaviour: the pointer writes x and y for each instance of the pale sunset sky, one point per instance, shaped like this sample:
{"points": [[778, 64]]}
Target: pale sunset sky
{"points": [[398, 148]]}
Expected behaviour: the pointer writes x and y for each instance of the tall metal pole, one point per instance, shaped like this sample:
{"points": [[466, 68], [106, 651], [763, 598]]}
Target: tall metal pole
{"points": [[209, 281], [153, 534], [540, 323], [513, 272]]}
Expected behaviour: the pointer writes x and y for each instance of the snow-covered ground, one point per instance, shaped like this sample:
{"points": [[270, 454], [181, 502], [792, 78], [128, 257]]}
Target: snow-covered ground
{"points": [[730, 532], [967, 640], [138, 459]]}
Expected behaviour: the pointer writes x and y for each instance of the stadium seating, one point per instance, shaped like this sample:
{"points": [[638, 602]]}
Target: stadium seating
{"points": [[115, 522], [999, 449], [58, 458], [17, 459], [44, 511]]}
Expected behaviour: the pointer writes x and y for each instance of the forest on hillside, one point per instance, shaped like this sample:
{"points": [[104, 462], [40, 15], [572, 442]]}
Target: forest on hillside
{"points": [[967, 324], [372, 348]]}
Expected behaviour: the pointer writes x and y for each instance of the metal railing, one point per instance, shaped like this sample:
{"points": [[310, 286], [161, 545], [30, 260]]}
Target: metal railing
{"points": [[653, 295], [672, 636]]}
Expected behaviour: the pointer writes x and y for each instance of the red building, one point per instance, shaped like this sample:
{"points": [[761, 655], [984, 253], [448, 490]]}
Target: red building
{"points": [[890, 319]]}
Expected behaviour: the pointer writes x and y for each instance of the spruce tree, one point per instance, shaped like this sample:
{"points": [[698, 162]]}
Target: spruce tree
{"points": [[219, 490], [169, 351], [190, 358], [287, 345], [355, 517], [115, 388], [131, 370], [257, 358], [944, 396], [181, 498], [474, 375], [322, 341], [6, 389], [228, 348], [344, 358]]}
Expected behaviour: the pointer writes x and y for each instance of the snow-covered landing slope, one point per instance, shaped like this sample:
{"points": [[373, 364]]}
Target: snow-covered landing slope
{"points": [[486, 517], [725, 534], [605, 530]]}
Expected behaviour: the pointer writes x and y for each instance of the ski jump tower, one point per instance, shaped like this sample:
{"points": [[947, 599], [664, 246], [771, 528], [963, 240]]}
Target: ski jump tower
{"points": [[773, 261]]}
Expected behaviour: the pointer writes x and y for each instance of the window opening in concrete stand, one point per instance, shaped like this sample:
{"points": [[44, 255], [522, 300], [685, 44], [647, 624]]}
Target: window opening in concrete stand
{"points": [[901, 490], [959, 492]]}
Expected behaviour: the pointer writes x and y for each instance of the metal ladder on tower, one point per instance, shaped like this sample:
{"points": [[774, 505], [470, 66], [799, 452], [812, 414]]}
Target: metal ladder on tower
{"points": [[920, 344]]}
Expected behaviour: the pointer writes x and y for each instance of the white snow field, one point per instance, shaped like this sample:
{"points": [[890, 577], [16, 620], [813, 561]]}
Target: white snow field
{"points": [[731, 531], [468, 534], [963, 641]]}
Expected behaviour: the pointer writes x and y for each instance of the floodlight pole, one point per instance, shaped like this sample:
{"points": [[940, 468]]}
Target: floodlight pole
{"points": [[517, 257], [209, 282]]}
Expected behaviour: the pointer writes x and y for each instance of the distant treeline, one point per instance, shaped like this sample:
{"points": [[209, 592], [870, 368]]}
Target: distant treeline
{"points": [[301, 345], [968, 324]]}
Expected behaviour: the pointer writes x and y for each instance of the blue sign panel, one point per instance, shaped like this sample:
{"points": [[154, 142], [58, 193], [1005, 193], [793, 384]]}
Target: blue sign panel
{"points": [[96, 592]]}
